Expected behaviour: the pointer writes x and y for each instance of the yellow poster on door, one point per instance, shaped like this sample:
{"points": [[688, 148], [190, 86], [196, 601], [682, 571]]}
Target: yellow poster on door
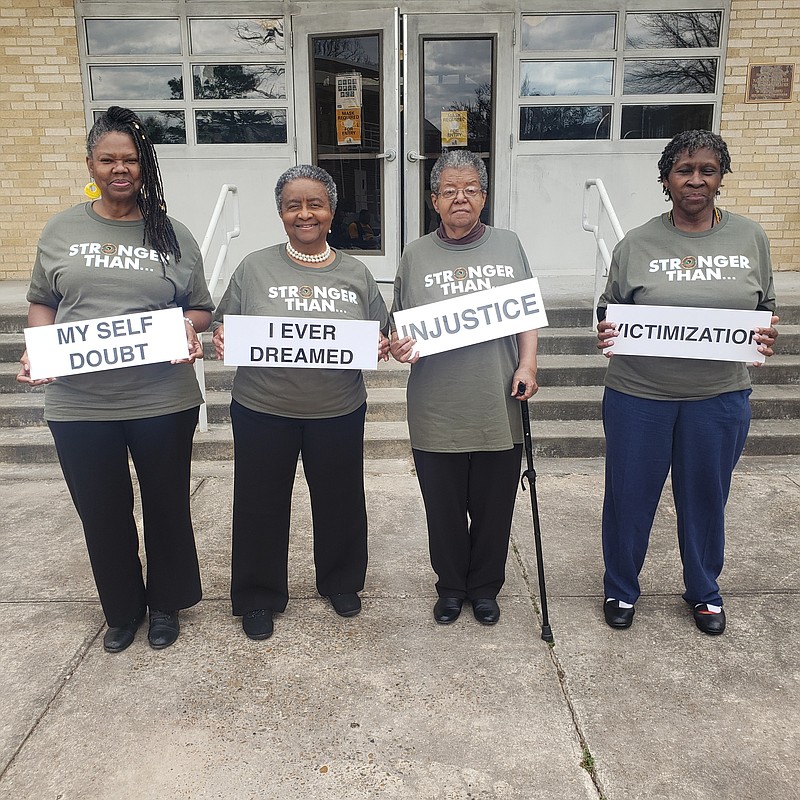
{"points": [[348, 126], [454, 128]]}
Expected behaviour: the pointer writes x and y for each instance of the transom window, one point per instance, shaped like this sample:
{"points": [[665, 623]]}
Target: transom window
{"points": [[620, 75], [219, 80]]}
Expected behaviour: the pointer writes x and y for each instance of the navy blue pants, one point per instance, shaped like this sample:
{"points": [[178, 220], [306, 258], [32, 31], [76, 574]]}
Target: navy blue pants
{"points": [[701, 441], [469, 506], [266, 449], [94, 460]]}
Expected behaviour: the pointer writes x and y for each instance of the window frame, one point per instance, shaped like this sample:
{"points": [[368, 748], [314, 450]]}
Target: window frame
{"points": [[183, 11], [619, 55]]}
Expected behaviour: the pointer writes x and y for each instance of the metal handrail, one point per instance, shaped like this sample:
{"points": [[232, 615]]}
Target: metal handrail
{"points": [[228, 190], [603, 257]]}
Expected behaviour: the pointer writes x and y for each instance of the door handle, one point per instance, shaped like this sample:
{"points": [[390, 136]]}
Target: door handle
{"points": [[389, 155], [413, 156]]}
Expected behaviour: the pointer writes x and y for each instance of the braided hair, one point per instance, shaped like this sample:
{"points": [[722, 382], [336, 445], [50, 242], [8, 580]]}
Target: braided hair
{"points": [[692, 141], [158, 230]]}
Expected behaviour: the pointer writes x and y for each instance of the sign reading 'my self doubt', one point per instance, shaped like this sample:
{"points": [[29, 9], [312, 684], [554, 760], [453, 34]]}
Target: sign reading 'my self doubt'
{"points": [[94, 345]]}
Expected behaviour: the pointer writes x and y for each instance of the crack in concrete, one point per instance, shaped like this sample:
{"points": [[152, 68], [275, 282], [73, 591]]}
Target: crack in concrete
{"points": [[562, 677], [61, 681]]}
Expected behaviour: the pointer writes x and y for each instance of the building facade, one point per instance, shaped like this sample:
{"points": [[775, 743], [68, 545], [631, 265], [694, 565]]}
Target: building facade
{"points": [[550, 93]]}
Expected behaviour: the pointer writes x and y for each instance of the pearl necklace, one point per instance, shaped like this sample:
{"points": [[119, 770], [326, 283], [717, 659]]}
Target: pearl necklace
{"points": [[311, 259]]}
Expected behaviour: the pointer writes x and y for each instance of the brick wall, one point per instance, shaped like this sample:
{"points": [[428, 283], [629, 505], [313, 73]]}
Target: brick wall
{"points": [[764, 138], [42, 128]]}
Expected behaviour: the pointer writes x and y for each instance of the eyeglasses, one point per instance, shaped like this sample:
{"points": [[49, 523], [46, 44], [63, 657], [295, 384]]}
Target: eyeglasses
{"points": [[470, 192]]}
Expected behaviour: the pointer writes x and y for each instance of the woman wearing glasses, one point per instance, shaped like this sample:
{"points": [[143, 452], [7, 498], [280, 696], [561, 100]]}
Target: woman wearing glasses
{"points": [[463, 413]]}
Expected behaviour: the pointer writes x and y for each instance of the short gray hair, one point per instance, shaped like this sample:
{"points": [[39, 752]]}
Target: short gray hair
{"points": [[309, 172], [459, 159]]}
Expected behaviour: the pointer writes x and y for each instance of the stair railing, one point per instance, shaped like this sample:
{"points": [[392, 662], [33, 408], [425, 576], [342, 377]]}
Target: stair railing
{"points": [[605, 210], [228, 192]]}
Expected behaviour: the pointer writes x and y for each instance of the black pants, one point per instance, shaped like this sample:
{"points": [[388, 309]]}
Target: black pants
{"points": [[94, 460], [469, 506], [266, 448]]}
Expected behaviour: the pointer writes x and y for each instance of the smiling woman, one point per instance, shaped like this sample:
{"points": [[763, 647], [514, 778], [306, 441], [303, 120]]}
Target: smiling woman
{"points": [[281, 412]]}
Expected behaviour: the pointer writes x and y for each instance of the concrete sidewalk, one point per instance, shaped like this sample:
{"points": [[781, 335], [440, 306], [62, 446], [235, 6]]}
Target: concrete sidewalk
{"points": [[388, 704]]}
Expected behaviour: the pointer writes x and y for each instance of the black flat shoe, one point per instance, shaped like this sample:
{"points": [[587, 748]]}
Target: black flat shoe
{"points": [[346, 605], [257, 624], [118, 639], [616, 616], [486, 610], [710, 622], [447, 609], [164, 629]]}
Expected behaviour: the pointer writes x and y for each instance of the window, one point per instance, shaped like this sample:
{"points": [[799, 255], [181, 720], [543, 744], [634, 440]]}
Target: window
{"points": [[192, 80], [659, 70]]}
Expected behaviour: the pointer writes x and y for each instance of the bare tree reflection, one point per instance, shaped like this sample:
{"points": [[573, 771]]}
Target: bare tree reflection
{"points": [[673, 30], [671, 76], [225, 81], [261, 35]]}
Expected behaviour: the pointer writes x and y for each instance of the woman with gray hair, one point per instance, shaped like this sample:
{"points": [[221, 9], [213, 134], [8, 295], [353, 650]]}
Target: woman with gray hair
{"points": [[463, 412], [281, 412]]}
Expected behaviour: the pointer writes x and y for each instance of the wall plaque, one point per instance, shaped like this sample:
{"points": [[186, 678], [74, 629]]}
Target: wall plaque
{"points": [[769, 83]]}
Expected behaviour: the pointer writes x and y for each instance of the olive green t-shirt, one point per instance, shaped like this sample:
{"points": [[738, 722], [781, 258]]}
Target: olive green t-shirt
{"points": [[88, 267], [268, 283], [727, 266], [460, 401]]}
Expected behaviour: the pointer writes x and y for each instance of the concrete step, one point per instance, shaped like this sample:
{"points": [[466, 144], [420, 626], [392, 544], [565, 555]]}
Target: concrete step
{"points": [[553, 439], [554, 370], [388, 404]]}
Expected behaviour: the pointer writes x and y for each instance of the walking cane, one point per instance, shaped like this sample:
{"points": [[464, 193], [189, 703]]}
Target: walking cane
{"points": [[530, 474]]}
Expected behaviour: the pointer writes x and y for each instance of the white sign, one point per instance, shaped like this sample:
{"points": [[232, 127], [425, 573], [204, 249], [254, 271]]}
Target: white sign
{"points": [[300, 342], [94, 345], [715, 334], [473, 317], [348, 90]]}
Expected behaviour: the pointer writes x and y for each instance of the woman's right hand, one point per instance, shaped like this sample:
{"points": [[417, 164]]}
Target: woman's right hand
{"points": [[24, 374], [606, 331], [401, 349], [219, 342]]}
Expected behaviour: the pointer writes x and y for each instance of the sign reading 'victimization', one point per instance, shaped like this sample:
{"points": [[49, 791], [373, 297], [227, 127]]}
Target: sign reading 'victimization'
{"points": [[714, 334], [300, 342], [473, 318], [94, 345]]}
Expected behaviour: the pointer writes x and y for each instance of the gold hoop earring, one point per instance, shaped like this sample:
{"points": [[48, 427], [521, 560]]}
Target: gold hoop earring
{"points": [[92, 190]]}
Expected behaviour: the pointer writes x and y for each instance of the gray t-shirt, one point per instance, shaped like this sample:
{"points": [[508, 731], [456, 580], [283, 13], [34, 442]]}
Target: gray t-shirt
{"points": [[268, 283], [659, 265], [459, 401], [88, 267]]}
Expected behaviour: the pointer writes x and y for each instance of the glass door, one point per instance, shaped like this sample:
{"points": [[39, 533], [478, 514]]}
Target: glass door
{"points": [[457, 94], [347, 110]]}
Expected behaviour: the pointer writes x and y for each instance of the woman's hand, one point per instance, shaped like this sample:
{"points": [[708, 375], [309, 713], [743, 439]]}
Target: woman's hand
{"points": [[219, 342], [401, 349], [383, 347], [194, 344], [24, 374], [526, 377], [766, 338], [606, 331]]}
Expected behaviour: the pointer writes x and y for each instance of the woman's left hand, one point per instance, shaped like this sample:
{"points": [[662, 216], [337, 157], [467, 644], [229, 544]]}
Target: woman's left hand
{"points": [[526, 376], [383, 347], [194, 345], [766, 338]]}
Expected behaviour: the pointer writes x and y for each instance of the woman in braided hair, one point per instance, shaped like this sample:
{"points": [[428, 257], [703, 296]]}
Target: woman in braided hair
{"points": [[121, 254]]}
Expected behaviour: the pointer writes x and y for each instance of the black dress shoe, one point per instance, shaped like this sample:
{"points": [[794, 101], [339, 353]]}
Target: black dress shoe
{"points": [[346, 605], [486, 610], [447, 609], [257, 624], [710, 622], [118, 639], [617, 616], [164, 629]]}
